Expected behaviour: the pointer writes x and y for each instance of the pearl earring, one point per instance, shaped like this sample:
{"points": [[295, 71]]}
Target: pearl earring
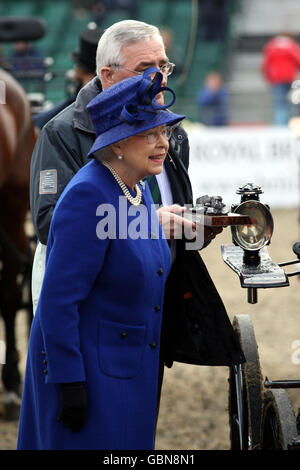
{"points": [[120, 157]]}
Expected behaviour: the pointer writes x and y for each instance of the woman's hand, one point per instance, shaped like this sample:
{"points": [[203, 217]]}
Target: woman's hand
{"points": [[73, 405], [173, 223], [176, 226]]}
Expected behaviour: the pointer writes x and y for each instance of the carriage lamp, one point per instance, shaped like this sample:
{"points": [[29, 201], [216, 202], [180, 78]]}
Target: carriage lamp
{"points": [[252, 237], [248, 254]]}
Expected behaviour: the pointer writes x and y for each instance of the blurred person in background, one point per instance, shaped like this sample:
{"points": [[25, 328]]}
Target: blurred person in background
{"points": [[85, 58], [84, 71], [26, 59], [213, 101], [280, 66]]}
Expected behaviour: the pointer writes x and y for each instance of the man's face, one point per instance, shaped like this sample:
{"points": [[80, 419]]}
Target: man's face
{"points": [[139, 56]]}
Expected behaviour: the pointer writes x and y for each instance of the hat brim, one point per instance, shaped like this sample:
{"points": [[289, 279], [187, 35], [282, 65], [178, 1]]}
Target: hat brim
{"points": [[123, 131]]}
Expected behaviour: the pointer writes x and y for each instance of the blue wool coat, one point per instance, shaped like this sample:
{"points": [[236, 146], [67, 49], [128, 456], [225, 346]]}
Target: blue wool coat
{"points": [[98, 320]]}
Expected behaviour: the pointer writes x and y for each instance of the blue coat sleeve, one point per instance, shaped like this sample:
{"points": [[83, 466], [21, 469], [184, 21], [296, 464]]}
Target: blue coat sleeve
{"points": [[75, 257]]}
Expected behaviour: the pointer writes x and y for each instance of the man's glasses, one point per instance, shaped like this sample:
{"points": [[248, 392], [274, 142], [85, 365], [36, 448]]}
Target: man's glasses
{"points": [[166, 69], [152, 136]]}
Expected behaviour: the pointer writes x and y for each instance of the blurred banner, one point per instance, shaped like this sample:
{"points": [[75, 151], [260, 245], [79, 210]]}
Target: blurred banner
{"points": [[223, 159]]}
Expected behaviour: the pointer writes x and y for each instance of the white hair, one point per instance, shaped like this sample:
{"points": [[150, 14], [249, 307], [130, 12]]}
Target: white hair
{"points": [[123, 32], [104, 154]]}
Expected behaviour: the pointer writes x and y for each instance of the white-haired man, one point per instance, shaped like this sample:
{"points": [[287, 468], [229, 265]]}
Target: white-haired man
{"points": [[196, 328]]}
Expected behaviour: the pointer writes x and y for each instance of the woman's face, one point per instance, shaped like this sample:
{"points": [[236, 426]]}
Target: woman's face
{"points": [[143, 154]]}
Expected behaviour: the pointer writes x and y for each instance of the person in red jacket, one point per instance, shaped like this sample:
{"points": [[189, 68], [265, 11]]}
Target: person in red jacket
{"points": [[280, 66]]}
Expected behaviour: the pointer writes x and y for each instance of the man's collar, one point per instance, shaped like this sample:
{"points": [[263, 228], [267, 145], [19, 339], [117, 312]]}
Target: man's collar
{"points": [[81, 119]]}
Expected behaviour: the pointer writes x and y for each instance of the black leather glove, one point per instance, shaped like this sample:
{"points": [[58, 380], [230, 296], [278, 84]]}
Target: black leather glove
{"points": [[74, 404]]}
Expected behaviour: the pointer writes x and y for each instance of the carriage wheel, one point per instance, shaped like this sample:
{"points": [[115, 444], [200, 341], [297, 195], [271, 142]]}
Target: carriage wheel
{"points": [[278, 428], [252, 389]]}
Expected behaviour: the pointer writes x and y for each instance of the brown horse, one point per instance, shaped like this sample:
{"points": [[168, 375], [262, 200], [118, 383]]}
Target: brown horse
{"points": [[17, 139]]}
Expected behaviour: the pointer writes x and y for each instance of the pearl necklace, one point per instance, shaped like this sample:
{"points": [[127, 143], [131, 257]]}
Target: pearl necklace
{"points": [[135, 201]]}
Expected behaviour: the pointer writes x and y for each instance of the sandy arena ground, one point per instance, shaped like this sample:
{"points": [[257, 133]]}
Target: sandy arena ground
{"points": [[193, 413]]}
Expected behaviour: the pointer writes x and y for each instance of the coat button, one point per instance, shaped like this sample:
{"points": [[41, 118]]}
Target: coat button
{"points": [[160, 271], [44, 353], [44, 362], [45, 371], [157, 308], [124, 334], [152, 345]]}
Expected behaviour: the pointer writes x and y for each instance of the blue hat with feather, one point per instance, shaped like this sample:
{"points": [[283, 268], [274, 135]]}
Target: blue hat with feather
{"points": [[130, 107]]}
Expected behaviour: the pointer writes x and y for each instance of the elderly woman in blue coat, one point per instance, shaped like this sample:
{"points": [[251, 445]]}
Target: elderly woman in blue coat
{"points": [[92, 368]]}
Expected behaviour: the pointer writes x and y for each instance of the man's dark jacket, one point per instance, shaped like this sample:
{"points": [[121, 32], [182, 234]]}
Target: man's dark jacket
{"points": [[196, 328]]}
